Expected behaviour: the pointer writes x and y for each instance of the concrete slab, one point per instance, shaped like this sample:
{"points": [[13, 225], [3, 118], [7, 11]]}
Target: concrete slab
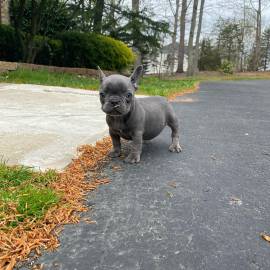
{"points": [[42, 126]]}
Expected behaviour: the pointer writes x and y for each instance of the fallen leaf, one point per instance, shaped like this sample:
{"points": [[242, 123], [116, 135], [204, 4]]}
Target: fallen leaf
{"points": [[172, 184], [265, 237], [235, 201], [89, 221], [116, 168], [38, 266]]}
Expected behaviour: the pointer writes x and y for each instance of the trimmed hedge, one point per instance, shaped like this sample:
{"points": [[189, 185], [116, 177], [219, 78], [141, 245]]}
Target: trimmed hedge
{"points": [[9, 49], [70, 49], [49, 50], [91, 50]]}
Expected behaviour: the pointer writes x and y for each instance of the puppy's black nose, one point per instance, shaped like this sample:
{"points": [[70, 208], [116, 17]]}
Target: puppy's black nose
{"points": [[114, 103]]}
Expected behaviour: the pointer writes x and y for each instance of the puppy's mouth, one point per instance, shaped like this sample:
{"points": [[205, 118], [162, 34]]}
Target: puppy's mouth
{"points": [[116, 110]]}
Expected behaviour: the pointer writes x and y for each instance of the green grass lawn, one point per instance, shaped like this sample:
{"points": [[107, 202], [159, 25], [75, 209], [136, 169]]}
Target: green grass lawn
{"points": [[148, 85], [44, 77], [24, 194]]}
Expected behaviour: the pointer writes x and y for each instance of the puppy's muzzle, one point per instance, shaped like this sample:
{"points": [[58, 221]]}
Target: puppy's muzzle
{"points": [[115, 101]]}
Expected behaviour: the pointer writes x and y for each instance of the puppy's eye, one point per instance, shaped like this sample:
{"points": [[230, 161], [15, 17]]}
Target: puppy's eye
{"points": [[101, 94], [129, 95]]}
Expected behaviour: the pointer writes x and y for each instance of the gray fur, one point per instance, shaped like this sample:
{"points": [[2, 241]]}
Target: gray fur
{"points": [[134, 119]]}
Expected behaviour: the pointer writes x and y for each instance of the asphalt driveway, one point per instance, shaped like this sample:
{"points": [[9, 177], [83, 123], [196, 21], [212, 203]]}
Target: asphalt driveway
{"points": [[202, 209]]}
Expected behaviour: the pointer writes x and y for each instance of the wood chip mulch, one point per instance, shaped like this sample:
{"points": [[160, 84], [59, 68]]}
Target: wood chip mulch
{"points": [[31, 236]]}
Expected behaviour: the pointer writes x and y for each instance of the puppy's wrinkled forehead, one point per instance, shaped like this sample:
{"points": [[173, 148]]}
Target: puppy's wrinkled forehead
{"points": [[116, 84]]}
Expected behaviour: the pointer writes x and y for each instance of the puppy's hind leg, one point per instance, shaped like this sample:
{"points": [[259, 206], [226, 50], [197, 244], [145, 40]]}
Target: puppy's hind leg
{"points": [[172, 122]]}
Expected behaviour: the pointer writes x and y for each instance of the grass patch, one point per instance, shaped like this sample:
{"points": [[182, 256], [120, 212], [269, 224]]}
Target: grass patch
{"points": [[24, 194], [35, 201], [35, 206], [154, 86], [148, 85], [44, 77]]}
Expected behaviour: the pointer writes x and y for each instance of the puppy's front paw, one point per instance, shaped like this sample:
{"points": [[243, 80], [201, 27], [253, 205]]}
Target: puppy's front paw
{"points": [[132, 158], [114, 153], [175, 147]]}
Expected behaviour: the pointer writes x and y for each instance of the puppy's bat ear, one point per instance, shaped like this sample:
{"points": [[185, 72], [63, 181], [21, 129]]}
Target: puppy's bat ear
{"points": [[134, 78], [101, 74]]}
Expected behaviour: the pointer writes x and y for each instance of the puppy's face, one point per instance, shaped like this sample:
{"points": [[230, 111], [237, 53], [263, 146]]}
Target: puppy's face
{"points": [[117, 92]]}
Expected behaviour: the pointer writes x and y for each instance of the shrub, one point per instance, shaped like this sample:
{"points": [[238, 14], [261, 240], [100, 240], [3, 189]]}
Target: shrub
{"points": [[48, 50], [9, 49], [227, 67], [91, 50], [70, 49]]}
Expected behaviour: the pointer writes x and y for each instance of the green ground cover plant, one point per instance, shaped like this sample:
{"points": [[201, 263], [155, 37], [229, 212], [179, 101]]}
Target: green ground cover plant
{"points": [[24, 193]]}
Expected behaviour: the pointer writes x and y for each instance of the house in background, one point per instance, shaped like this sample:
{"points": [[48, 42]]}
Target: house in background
{"points": [[4, 11], [161, 63]]}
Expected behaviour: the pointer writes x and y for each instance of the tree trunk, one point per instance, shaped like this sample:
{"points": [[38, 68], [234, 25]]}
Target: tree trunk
{"points": [[135, 5], [30, 49], [98, 13], [18, 18], [190, 71], [175, 26], [136, 8], [242, 59], [267, 54], [181, 48], [112, 17], [256, 57], [197, 49]]}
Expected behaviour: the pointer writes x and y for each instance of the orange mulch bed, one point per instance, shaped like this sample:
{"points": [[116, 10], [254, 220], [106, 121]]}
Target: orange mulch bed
{"points": [[29, 237], [184, 92]]}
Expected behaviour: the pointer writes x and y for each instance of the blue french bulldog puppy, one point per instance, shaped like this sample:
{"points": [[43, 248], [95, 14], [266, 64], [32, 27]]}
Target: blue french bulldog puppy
{"points": [[134, 119]]}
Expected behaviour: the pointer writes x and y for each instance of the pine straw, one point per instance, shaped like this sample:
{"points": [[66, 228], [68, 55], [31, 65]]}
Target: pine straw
{"points": [[30, 236], [191, 90]]}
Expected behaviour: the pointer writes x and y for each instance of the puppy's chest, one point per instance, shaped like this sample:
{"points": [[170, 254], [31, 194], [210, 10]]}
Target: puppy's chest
{"points": [[120, 127]]}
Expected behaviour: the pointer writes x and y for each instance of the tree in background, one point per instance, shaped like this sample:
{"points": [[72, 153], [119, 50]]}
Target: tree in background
{"points": [[109, 17], [229, 41], [134, 22], [174, 33], [265, 49], [56, 18], [98, 14], [181, 48], [141, 32], [257, 43], [209, 58], [26, 39], [190, 70], [197, 43]]}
